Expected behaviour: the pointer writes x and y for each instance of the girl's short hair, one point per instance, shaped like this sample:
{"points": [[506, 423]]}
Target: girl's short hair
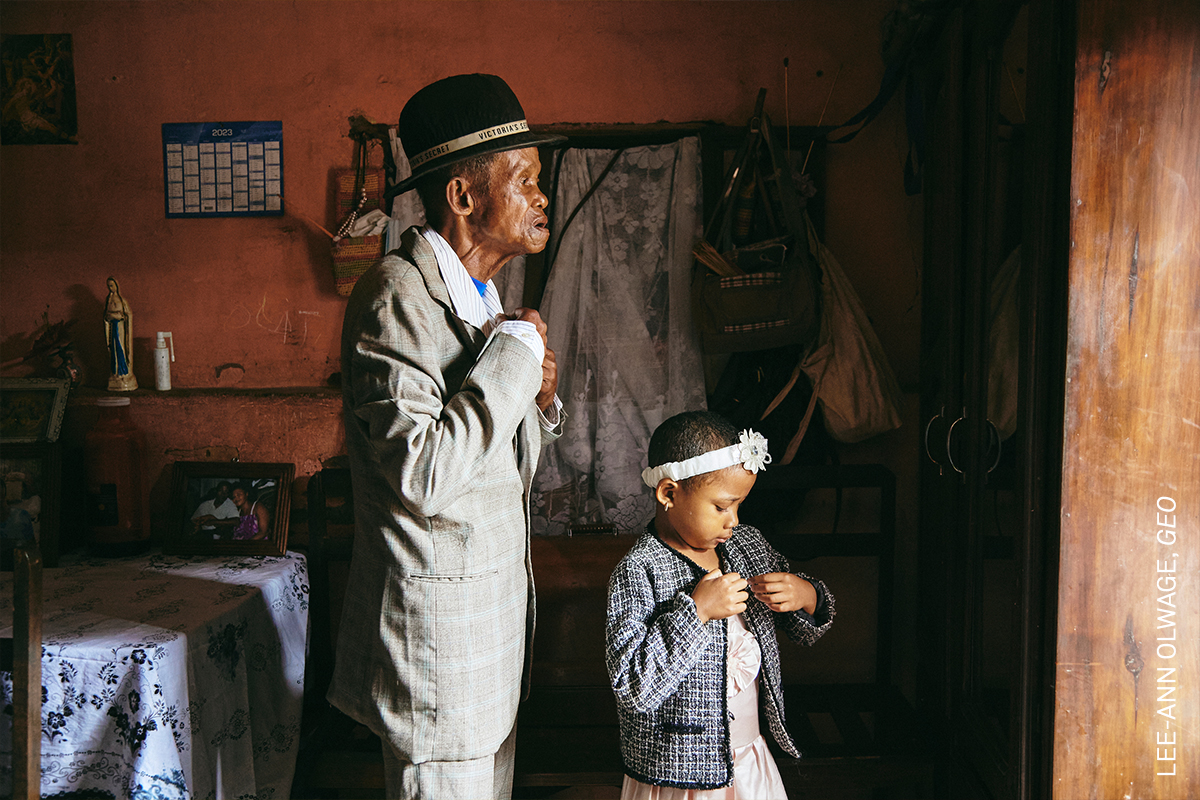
{"points": [[690, 434]]}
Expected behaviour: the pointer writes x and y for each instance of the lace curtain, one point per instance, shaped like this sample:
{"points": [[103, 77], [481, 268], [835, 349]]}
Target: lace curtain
{"points": [[618, 307]]}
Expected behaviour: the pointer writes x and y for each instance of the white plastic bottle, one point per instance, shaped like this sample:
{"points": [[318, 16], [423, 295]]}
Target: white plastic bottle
{"points": [[162, 360]]}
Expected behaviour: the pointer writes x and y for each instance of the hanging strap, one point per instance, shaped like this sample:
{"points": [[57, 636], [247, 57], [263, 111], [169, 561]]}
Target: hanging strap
{"points": [[591, 190], [718, 231], [891, 79]]}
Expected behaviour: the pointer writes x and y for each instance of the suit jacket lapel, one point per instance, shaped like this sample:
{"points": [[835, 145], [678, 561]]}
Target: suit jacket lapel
{"points": [[422, 255]]}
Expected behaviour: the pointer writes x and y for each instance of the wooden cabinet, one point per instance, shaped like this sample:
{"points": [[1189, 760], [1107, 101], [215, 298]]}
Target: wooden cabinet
{"points": [[991, 392]]}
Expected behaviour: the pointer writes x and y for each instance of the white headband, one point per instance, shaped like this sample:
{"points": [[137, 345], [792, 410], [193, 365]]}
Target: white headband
{"points": [[750, 452], [470, 140]]}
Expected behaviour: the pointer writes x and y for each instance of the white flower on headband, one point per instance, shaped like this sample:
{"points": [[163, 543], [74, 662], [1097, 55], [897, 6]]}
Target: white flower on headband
{"points": [[753, 451]]}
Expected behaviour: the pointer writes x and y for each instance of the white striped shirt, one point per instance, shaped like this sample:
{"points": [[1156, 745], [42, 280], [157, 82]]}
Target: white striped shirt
{"points": [[481, 310]]}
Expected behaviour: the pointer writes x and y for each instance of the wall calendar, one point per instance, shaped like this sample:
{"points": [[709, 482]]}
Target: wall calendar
{"points": [[223, 169]]}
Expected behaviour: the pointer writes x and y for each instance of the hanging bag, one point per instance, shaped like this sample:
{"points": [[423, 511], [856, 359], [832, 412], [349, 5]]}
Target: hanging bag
{"points": [[359, 192], [850, 373], [755, 282]]}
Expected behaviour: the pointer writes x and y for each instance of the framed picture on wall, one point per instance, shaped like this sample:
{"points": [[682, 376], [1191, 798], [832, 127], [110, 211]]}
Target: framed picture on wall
{"points": [[37, 89], [229, 508], [31, 409], [30, 498]]}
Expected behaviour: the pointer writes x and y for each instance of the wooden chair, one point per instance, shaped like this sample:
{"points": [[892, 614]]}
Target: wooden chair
{"points": [[22, 656], [858, 739], [567, 737], [338, 756]]}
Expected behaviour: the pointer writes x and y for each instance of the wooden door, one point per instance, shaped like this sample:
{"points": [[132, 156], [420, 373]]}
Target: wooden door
{"points": [[1128, 661]]}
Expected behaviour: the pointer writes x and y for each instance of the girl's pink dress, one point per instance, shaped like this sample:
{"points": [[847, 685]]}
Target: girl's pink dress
{"points": [[755, 775]]}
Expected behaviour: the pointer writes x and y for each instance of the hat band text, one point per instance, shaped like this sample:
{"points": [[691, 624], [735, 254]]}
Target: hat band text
{"points": [[471, 139]]}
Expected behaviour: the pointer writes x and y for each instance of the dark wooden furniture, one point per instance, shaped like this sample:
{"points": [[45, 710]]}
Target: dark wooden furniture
{"points": [[338, 756], [997, 104], [855, 737], [22, 656]]}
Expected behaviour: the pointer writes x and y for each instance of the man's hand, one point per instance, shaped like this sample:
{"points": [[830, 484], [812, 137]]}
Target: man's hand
{"points": [[719, 596], [549, 387], [783, 591], [545, 395]]}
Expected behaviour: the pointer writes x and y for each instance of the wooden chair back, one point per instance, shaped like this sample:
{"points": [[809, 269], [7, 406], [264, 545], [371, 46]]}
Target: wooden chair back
{"points": [[22, 656], [338, 756]]}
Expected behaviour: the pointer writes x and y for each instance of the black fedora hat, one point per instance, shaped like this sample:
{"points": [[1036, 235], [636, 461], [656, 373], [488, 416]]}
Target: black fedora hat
{"points": [[458, 118]]}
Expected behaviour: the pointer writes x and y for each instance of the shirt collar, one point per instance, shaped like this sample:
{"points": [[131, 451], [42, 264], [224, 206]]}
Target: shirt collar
{"points": [[465, 298]]}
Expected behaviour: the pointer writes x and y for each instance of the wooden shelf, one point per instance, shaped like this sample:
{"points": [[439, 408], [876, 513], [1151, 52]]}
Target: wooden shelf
{"points": [[86, 395]]}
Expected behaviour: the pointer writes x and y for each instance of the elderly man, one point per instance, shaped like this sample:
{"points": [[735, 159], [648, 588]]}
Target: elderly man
{"points": [[448, 402], [217, 511]]}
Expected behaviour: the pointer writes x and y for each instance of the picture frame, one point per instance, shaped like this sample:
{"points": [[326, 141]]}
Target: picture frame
{"points": [[208, 517], [30, 498], [38, 83], [31, 409]]}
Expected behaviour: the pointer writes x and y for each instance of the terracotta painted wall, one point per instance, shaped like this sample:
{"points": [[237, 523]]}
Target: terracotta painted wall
{"points": [[251, 301]]}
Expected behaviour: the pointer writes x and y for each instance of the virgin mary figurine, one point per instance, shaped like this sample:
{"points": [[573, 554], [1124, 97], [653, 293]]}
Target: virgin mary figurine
{"points": [[118, 325]]}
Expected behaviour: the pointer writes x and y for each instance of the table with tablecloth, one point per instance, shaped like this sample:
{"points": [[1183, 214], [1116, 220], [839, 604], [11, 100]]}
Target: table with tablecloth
{"points": [[168, 677]]}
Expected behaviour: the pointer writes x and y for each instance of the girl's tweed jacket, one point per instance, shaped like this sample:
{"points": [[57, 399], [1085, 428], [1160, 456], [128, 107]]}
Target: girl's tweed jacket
{"points": [[668, 669]]}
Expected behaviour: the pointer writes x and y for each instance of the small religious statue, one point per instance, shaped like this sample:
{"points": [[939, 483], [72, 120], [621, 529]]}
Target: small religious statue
{"points": [[118, 329]]}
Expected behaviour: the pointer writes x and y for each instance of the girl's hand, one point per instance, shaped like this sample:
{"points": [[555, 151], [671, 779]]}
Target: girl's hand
{"points": [[783, 591], [719, 596]]}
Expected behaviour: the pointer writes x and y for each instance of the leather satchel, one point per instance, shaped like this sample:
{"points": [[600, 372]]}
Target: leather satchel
{"points": [[756, 284]]}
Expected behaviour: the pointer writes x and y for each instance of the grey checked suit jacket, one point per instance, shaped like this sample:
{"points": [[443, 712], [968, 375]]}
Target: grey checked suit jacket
{"points": [[443, 437]]}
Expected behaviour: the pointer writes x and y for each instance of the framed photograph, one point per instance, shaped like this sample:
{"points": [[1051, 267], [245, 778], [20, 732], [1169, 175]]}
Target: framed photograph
{"points": [[31, 409], [32, 501], [229, 508]]}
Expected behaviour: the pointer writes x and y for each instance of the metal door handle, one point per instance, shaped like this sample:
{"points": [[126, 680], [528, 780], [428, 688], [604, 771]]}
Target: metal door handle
{"points": [[929, 425], [999, 445], [949, 436]]}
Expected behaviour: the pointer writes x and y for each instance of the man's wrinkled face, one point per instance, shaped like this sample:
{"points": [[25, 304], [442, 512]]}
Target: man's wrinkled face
{"points": [[512, 217]]}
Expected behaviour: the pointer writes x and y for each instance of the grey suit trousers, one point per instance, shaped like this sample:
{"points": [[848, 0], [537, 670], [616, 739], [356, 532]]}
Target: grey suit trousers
{"points": [[476, 779]]}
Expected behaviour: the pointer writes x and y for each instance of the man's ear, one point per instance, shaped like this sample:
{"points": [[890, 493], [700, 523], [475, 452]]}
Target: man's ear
{"points": [[459, 198], [666, 492]]}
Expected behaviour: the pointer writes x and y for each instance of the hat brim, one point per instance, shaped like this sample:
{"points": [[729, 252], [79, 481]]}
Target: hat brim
{"points": [[517, 141]]}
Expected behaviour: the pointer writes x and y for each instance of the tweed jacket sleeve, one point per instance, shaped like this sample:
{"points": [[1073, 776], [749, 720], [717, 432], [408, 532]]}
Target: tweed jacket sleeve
{"points": [[655, 637]]}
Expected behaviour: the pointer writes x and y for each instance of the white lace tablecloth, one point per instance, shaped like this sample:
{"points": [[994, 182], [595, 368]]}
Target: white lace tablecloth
{"points": [[168, 677]]}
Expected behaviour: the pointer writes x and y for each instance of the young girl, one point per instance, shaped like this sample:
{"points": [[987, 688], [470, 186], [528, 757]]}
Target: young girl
{"points": [[692, 611]]}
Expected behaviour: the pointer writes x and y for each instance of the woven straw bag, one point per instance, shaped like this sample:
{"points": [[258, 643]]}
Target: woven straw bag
{"points": [[359, 190]]}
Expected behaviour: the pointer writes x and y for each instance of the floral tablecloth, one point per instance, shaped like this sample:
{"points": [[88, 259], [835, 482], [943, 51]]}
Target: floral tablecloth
{"points": [[168, 677]]}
